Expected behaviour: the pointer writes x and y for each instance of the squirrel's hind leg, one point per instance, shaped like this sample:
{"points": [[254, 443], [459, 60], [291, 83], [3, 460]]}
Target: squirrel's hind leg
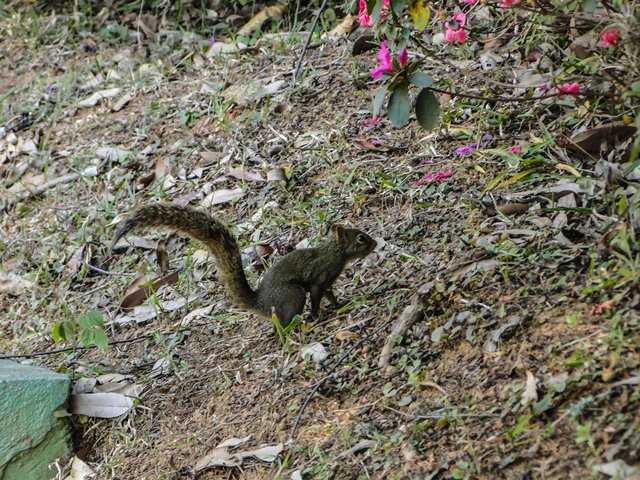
{"points": [[294, 299]]}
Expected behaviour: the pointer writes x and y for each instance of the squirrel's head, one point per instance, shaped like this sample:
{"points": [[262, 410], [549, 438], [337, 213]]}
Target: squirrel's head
{"points": [[354, 242]]}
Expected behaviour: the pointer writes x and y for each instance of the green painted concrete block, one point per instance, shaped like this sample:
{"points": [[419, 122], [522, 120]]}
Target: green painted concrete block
{"points": [[33, 430]]}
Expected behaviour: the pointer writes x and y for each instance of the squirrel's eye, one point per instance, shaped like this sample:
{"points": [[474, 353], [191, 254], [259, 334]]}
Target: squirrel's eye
{"points": [[361, 238]]}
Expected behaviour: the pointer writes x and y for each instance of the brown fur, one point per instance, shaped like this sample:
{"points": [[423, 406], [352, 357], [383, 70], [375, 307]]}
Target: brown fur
{"points": [[285, 285]]}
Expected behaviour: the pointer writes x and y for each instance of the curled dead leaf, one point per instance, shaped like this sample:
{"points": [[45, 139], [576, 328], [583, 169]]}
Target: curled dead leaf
{"points": [[100, 405], [12, 284], [345, 335], [142, 288], [514, 208], [610, 133], [222, 196], [248, 176], [345, 27], [530, 393], [603, 307], [256, 22]]}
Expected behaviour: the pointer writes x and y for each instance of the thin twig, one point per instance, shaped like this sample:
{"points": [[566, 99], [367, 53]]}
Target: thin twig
{"points": [[308, 41], [39, 190], [525, 99], [113, 342], [73, 349]]}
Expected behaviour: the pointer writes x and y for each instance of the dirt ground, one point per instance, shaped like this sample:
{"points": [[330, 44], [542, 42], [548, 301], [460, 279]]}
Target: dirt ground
{"points": [[515, 366]]}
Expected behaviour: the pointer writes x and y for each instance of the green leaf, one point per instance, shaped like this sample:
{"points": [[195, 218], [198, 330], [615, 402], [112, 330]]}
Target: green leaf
{"points": [[523, 422], [93, 318], [397, 6], [100, 339], [589, 6], [375, 13], [427, 109], [388, 390], [457, 474], [87, 337], [420, 79], [516, 178], [543, 405], [63, 331], [399, 106], [371, 4], [55, 331], [495, 181], [420, 14], [378, 99]]}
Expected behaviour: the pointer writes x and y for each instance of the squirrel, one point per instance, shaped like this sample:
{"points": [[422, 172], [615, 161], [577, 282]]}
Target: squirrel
{"points": [[284, 287]]}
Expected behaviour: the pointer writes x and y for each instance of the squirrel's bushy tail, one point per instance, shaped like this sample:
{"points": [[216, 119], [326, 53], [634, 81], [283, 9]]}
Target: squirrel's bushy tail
{"points": [[205, 228]]}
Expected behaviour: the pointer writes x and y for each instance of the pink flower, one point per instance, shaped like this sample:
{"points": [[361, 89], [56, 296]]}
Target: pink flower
{"points": [[384, 61], [507, 3], [460, 18], [452, 35], [363, 16], [371, 121], [515, 149], [610, 37], [212, 41], [403, 58], [469, 2], [568, 88], [454, 29], [432, 178]]}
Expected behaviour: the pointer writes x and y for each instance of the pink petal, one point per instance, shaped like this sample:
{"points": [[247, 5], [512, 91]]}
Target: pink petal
{"points": [[371, 121], [363, 17], [403, 58], [449, 35], [515, 149], [461, 35], [384, 56], [377, 72], [461, 18], [610, 37]]}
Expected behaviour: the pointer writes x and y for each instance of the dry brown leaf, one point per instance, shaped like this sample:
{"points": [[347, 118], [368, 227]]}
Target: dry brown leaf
{"points": [[80, 471], [248, 176], [144, 313], [603, 307], [93, 100], [276, 174], [100, 405], [530, 393], [345, 27], [12, 284], [514, 208], [265, 454], [219, 48], [136, 293], [345, 335], [610, 133], [222, 196], [276, 11], [121, 102]]}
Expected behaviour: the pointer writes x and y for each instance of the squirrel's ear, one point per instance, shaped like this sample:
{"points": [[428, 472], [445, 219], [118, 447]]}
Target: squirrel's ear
{"points": [[338, 231]]}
